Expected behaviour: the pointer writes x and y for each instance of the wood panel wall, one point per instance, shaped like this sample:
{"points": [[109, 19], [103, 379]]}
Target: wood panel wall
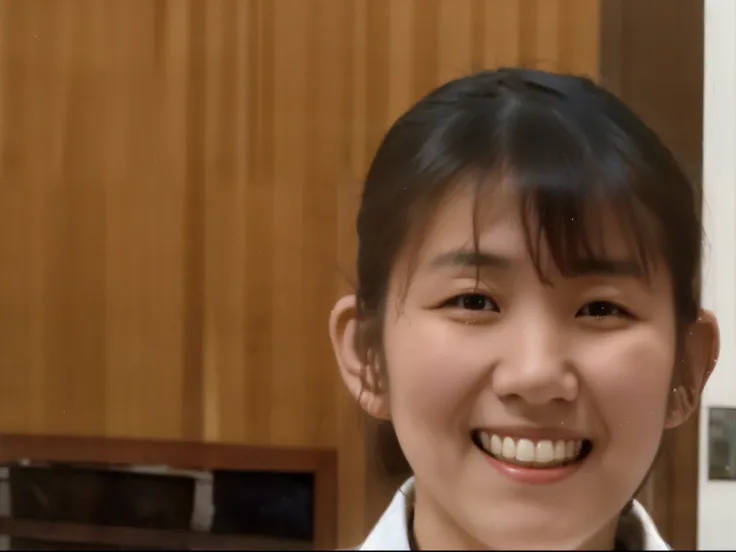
{"points": [[178, 185]]}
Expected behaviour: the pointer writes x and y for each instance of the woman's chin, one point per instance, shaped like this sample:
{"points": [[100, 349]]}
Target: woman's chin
{"points": [[539, 529]]}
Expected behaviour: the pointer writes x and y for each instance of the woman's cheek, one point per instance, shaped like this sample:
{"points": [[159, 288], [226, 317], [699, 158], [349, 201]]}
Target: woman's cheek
{"points": [[629, 380], [432, 366]]}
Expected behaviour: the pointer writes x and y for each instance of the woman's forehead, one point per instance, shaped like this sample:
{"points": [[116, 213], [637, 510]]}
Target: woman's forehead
{"points": [[494, 222]]}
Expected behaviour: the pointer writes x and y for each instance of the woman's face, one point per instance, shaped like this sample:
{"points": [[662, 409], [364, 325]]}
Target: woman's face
{"points": [[529, 411]]}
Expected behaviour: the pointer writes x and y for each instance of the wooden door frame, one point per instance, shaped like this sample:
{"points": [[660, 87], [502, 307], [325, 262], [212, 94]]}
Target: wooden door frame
{"points": [[651, 55]]}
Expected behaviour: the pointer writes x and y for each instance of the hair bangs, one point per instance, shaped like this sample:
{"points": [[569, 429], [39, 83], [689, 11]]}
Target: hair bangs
{"points": [[572, 192]]}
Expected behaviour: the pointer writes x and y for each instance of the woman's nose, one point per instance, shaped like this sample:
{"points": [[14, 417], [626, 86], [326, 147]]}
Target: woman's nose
{"points": [[534, 365]]}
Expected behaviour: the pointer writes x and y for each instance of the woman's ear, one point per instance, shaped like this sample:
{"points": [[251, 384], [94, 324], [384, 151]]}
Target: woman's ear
{"points": [[699, 356], [359, 377]]}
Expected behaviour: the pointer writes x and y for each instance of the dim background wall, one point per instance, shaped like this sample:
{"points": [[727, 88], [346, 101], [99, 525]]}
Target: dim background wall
{"points": [[717, 500], [178, 185], [652, 57]]}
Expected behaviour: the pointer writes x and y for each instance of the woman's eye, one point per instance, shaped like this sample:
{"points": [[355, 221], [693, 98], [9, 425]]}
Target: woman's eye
{"points": [[601, 309], [474, 302]]}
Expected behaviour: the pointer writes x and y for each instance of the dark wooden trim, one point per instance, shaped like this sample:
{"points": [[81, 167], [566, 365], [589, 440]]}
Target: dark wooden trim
{"points": [[611, 46], [179, 454], [651, 56], [325, 503], [184, 455]]}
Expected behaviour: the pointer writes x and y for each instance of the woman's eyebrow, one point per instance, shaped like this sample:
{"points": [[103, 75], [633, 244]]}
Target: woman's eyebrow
{"points": [[578, 267], [606, 267], [471, 258]]}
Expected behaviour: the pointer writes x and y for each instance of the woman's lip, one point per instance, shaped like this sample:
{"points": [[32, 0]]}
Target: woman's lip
{"points": [[534, 476]]}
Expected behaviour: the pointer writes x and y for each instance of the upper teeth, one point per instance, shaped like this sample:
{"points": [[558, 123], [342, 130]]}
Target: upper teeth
{"points": [[525, 451]]}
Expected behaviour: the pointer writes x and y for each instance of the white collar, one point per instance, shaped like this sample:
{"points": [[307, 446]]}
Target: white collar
{"points": [[391, 533]]}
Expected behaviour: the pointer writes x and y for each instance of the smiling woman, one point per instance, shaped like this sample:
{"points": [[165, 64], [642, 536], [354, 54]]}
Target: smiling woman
{"points": [[526, 315]]}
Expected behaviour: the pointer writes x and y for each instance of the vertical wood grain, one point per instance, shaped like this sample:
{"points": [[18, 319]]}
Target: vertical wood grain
{"points": [[178, 188]]}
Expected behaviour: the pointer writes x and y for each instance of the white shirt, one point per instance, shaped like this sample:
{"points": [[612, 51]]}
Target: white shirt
{"points": [[391, 531]]}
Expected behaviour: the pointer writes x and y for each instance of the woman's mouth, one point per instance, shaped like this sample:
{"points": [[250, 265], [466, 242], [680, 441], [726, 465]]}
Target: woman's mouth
{"points": [[531, 453]]}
